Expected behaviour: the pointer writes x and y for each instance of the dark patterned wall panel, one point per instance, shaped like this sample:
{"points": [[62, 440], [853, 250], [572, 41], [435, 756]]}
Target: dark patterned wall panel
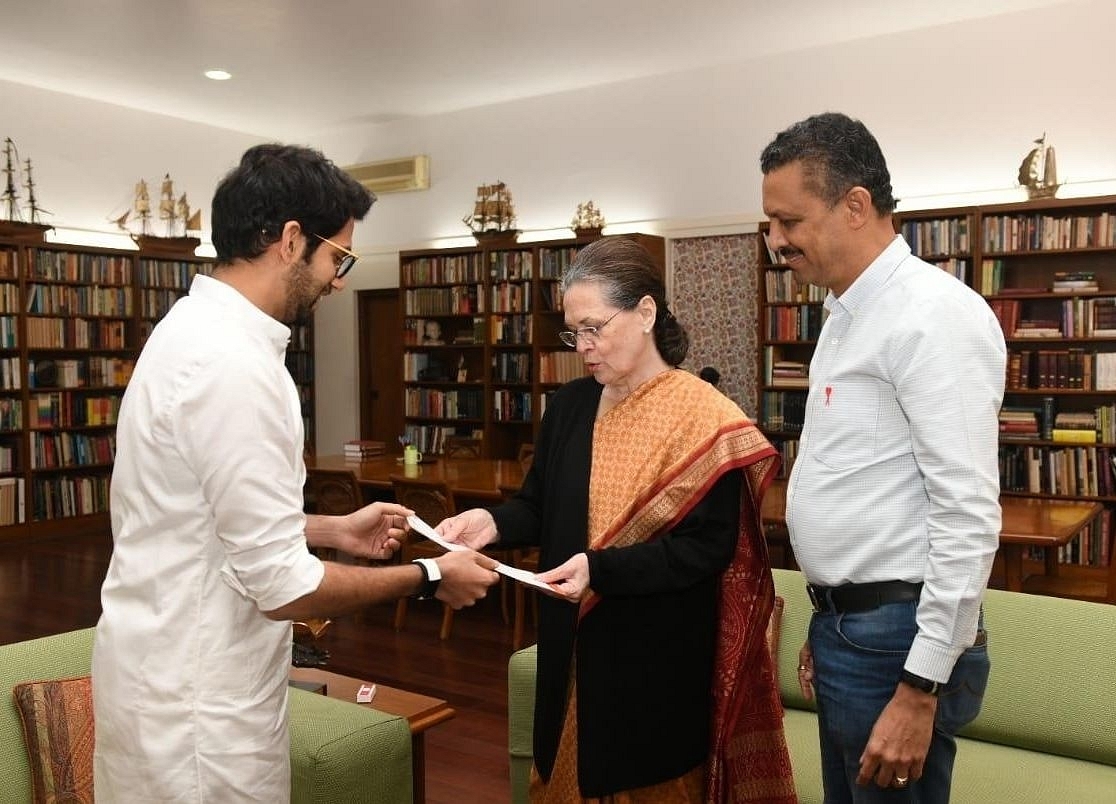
{"points": [[715, 281]]}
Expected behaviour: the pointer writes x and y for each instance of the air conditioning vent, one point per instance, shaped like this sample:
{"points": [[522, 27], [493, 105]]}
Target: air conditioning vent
{"points": [[393, 175]]}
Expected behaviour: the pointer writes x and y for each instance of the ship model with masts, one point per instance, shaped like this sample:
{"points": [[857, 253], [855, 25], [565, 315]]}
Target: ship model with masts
{"points": [[12, 224], [493, 215], [1039, 170], [175, 215]]}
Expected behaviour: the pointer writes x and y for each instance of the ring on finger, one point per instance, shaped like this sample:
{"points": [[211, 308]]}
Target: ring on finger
{"points": [[901, 781]]}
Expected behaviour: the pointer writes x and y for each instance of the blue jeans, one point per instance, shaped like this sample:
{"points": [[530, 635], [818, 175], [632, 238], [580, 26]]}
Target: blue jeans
{"points": [[857, 661]]}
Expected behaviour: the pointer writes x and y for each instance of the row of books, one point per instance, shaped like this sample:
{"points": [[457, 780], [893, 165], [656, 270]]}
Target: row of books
{"points": [[1079, 471], [801, 323], [11, 416], [1025, 423], [1090, 548], [9, 332], [555, 261], [51, 451], [938, 236], [75, 333], [456, 300], [511, 406], [68, 409], [510, 265], [511, 329], [434, 403], [8, 455], [1038, 232], [58, 497], [438, 270], [781, 286], [79, 300], [513, 367], [8, 264], [10, 299], [560, 367], [11, 374], [93, 371], [783, 411], [12, 508], [89, 269], [1056, 369], [1075, 282], [175, 274], [510, 297], [430, 439], [1079, 318]]}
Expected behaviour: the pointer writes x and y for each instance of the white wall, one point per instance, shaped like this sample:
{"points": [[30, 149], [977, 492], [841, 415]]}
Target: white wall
{"points": [[954, 107]]}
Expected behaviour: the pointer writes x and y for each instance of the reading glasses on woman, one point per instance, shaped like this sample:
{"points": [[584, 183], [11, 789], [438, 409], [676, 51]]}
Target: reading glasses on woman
{"points": [[347, 262], [589, 334]]}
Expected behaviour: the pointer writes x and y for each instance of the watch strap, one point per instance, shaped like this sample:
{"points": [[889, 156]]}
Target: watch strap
{"points": [[431, 575], [920, 683]]}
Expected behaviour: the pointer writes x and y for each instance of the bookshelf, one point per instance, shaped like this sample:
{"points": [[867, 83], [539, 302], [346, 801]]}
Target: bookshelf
{"points": [[72, 323], [481, 354], [1048, 270]]}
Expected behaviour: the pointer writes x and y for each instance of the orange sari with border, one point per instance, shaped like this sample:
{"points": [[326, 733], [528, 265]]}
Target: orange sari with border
{"points": [[655, 456]]}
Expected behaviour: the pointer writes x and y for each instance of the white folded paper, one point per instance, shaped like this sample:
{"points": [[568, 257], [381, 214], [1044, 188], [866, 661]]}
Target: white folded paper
{"points": [[516, 574]]}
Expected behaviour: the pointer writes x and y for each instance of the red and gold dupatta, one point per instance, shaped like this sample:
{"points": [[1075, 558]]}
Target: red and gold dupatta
{"points": [[655, 455]]}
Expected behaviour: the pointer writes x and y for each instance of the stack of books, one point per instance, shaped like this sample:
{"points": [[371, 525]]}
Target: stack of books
{"points": [[1075, 428], [1020, 424], [358, 450], [790, 374], [1075, 282]]}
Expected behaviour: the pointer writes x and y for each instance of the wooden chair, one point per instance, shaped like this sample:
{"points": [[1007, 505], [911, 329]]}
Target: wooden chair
{"points": [[525, 558], [432, 501], [1096, 588], [463, 447], [526, 456], [332, 491]]}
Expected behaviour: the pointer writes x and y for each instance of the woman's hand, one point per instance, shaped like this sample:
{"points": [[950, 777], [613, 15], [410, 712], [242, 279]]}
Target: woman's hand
{"points": [[570, 581], [474, 528]]}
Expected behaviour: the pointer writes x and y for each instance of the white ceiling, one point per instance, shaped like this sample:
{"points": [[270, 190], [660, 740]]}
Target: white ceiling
{"points": [[301, 67]]}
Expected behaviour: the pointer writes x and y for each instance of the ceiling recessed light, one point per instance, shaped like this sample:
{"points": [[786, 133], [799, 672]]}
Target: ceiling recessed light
{"points": [[218, 75]]}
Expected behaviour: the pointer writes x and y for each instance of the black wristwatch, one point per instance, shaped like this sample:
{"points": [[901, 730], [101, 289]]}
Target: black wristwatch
{"points": [[432, 576], [920, 683]]}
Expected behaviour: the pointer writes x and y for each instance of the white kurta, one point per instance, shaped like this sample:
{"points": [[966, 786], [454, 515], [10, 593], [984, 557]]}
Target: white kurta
{"points": [[189, 676]]}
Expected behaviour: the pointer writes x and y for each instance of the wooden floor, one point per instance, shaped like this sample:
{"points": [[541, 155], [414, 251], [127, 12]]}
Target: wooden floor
{"points": [[53, 585]]}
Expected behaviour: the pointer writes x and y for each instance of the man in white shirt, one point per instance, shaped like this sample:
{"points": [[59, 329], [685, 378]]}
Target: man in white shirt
{"points": [[893, 502], [210, 561]]}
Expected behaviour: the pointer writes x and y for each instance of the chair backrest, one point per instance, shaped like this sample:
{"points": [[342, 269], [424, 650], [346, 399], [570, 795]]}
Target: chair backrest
{"points": [[463, 447], [332, 491], [431, 500]]}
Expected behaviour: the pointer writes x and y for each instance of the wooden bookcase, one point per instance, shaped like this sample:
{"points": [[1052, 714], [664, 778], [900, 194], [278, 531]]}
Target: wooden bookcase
{"points": [[1011, 254], [72, 323], [481, 354]]}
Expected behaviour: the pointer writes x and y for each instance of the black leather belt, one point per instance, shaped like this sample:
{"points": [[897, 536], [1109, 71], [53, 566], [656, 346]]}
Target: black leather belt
{"points": [[861, 596]]}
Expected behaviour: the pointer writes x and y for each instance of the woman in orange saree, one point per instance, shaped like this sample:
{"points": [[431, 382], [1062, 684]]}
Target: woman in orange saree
{"points": [[655, 683]]}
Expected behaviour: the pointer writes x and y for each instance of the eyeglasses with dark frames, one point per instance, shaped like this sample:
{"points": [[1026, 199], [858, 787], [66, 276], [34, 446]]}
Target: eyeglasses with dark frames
{"points": [[347, 262], [589, 334]]}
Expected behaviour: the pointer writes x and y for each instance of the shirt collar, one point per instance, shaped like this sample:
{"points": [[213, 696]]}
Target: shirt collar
{"points": [[872, 278], [237, 306]]}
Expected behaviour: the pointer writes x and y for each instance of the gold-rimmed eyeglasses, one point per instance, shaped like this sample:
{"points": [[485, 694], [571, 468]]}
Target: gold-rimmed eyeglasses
{"points": [[347, 262], [589, 334]]}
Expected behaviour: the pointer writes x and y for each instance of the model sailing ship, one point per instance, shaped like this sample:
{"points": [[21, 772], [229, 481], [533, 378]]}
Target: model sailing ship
{"points": [[1039, 171], [12, 224], [493, 215], [177, 218]]}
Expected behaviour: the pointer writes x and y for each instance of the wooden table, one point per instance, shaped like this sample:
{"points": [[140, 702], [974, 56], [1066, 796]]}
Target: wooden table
{"points": [[1026, 522], [472, 478], [422, 712]]}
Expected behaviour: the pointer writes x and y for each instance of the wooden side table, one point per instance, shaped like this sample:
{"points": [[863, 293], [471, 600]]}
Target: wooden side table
{"points": [[422, 712]]}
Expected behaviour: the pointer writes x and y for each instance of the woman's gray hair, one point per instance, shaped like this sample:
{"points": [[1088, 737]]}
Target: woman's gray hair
{"points": [[626, 272]]}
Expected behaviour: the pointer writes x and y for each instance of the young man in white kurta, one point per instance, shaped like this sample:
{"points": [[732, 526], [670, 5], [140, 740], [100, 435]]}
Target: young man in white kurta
{"points": [[206, 508]]}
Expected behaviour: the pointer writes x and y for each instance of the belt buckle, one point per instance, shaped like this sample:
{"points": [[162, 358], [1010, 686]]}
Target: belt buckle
{"points": [[815, 599]]}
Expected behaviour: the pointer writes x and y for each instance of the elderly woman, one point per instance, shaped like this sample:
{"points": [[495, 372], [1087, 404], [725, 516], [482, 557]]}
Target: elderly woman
{"points": [[655, 682]]}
